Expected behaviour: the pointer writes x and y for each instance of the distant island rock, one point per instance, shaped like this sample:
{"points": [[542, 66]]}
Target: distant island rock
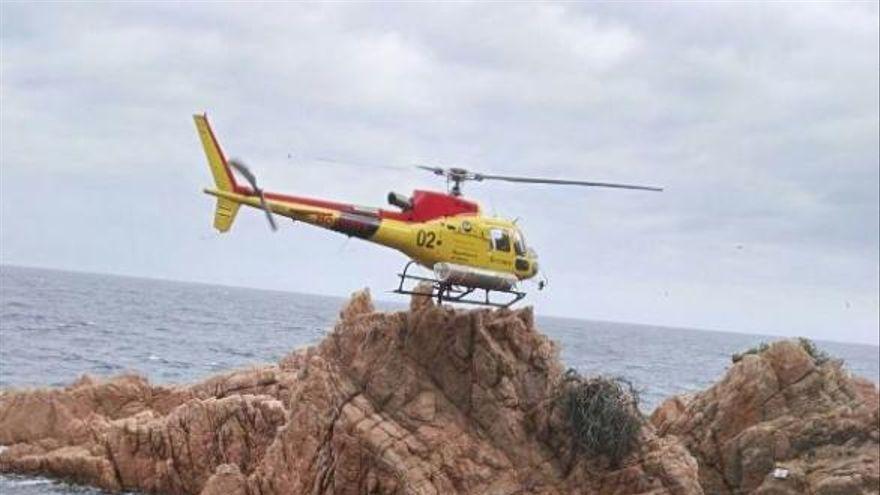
{"points": [[436, 400]]}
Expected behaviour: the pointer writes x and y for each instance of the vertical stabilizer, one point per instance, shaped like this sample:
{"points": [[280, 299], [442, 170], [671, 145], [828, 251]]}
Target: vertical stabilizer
{"points": [[226, 209]]}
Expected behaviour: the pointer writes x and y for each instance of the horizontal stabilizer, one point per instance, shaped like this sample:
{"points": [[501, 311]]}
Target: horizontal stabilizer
{"points": [[224, 214]]}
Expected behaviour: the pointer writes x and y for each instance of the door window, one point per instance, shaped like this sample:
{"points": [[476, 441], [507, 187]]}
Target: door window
{"points": [[500, 240]]}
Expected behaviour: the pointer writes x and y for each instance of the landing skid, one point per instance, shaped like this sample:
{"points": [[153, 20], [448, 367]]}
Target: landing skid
{"points": [[445, 292]]}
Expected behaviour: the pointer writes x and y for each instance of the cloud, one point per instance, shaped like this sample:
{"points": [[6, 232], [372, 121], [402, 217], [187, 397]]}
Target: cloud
{"points": [[760, 120]]}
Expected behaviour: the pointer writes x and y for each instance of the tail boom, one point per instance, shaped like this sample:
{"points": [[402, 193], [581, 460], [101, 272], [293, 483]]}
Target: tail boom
{"points": [[372, 224], [364, 223]]}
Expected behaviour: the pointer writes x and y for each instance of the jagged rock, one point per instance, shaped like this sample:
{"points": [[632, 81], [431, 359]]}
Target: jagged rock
{"points": [[360, 304], [436, 401], [422, 297], [429, 401], [226, 480], [781, 408]]}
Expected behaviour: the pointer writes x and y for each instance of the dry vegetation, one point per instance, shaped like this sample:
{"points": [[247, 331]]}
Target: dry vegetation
{"points": [[604, 414]]}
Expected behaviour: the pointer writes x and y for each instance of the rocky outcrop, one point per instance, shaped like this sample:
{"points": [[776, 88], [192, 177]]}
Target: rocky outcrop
{"points": [[428, 401], [781, 408], [434, 401]]}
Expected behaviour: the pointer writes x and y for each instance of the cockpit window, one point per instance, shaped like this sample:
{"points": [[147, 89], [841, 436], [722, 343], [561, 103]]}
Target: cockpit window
{"points": [[500, 240], [519, 244]]}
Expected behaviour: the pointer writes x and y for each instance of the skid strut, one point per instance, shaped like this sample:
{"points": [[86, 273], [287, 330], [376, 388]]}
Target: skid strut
{"points": [[446, 292]]}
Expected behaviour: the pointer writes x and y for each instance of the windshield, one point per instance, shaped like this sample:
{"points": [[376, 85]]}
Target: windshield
{"points": [[519, 243]]}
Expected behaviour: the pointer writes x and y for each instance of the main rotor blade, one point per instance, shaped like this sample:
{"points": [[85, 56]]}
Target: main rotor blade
{"points": [[533, 180], [435, 170], [356, 165]]}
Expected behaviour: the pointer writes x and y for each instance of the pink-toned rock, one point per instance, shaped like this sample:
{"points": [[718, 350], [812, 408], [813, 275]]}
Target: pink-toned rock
{"points": [[790, 362], [668, 412], [360, 304], [430, 401], [226, 480], [422, 297], [436, 401], [780, 408]]}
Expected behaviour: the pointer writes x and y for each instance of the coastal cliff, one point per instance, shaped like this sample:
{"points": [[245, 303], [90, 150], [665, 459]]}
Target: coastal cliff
{"points": [[436, 400]]}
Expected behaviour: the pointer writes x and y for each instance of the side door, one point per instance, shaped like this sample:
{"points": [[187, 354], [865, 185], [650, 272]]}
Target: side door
{"points": [[501, 254], [464, 242]]}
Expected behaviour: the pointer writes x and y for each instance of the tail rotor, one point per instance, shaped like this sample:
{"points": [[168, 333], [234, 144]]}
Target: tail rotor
{"points": [[245, 172]]}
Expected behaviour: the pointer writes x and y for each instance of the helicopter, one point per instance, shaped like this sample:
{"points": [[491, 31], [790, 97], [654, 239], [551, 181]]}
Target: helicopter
{"points": [[471, 257]]}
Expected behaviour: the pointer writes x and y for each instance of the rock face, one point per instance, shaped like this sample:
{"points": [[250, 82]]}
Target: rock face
{"points": [[781, 408], [429, 401], [440, 401]]}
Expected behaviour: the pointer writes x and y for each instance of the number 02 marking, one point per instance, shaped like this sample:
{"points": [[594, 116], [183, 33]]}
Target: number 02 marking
{"points": [[426, 239]]}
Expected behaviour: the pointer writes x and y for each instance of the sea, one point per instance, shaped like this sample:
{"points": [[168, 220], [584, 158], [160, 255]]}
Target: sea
{"points": [[57, 325]]}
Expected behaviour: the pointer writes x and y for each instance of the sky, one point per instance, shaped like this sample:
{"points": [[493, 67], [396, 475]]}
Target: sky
{"points": [[760, 120]]}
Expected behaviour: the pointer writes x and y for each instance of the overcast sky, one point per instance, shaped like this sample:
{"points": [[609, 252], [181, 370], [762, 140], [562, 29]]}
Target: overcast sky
{"points": [[760, 120]]}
